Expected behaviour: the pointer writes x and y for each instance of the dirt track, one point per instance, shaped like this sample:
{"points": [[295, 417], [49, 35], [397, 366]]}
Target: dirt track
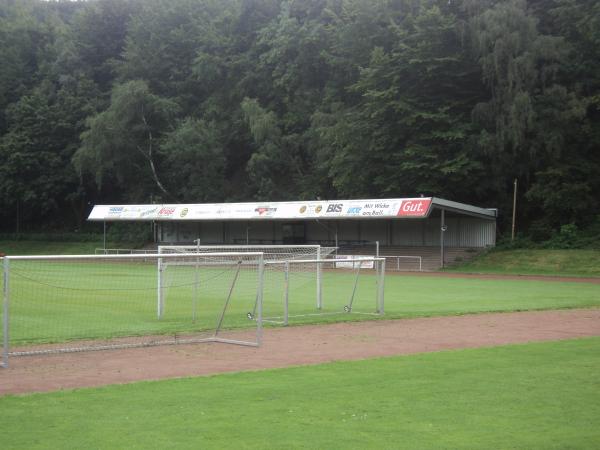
{"points": [[284, 347]]}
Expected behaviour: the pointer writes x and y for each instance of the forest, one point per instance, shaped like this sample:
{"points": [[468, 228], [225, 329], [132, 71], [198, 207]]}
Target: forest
{"points": [[192, 101]]}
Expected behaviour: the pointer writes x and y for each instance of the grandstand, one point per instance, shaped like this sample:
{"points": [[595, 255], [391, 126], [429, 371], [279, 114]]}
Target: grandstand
{"points": [[421, 233]]}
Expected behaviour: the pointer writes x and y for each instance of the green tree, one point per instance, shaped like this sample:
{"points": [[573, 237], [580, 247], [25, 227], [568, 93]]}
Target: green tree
{"points": [[195, 160], [123, 142]]}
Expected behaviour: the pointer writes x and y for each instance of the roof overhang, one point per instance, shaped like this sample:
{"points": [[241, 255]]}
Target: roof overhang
{"points": [[463, 208], [396, 208]]}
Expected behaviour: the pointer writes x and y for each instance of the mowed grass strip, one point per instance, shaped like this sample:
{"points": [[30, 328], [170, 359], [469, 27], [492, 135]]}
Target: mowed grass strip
{"points": [[535, 396], [25, 247]]}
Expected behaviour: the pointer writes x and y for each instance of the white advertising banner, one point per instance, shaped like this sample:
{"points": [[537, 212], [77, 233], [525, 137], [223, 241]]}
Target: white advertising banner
{"points": [[354, 264], [331, 209]]}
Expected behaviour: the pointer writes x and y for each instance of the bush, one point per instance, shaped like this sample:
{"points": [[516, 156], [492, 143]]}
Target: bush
{"points": [[569, 236]]}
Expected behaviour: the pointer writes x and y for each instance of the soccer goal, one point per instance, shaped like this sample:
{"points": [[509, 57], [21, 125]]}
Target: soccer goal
{"points": [[55, 304], [300, 282], [272, 253], [348, 285]]}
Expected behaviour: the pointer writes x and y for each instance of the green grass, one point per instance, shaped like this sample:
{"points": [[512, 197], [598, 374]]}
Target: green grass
{"points": [[534, 396], [61, 301], [578, 263], [53, 247]]}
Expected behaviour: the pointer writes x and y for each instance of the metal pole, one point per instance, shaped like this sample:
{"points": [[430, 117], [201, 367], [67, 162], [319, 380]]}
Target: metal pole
{"points": [[286, 294], [442, 230], [196, 282], [380, 288], [220, 322], [319, 280], [377, 249], [514, 214], [5, 314], [104, 241], [195, 294], [348, 308], [336, 239], [377, 273], [160, 305], [261, 284]]}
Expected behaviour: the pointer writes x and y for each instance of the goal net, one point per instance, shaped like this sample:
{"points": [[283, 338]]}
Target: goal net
{"points": [[301, 282], [348, 285], [312, 272], [73, 303]]}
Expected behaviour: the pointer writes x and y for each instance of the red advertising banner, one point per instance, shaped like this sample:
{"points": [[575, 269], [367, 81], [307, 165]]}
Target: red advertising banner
{"points": [[414, 208]]}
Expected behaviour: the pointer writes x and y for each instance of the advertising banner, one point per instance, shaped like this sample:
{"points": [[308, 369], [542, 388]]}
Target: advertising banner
{"points": [[414, 207], [354, 264], [328, 209]]}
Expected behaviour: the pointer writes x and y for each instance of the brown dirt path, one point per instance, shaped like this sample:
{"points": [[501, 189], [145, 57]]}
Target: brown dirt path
{"points": [[284, 347]]}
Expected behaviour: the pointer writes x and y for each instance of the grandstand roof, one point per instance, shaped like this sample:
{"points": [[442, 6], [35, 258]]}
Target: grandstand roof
{"points": [[391, 208]]}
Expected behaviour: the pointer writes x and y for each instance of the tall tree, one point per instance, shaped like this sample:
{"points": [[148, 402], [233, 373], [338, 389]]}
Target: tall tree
{"points": [[124, 141]]}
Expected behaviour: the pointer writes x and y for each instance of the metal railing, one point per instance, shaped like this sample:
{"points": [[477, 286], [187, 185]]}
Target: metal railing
{"points": [[399, 257], [124, 251]]}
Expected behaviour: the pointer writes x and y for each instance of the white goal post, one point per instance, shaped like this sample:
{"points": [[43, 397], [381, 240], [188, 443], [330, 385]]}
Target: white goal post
{"points": [[348, 284], [342, 294], [270, 252], [72, 303]]}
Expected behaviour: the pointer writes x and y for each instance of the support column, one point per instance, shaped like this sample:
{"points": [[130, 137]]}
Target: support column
{"points": [[443, 229]]}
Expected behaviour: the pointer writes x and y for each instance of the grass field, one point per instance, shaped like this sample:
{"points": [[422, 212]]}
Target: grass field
{"points": [[53, 247], [60, 301], [535, 396], [577, 263]]}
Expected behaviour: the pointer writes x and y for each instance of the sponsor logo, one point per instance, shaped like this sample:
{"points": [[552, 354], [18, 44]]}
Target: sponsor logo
{"points": [[310, 209], [354, 210], [414, 208], [148, 212], [183, 212], [166, 212], [265, 211], [200, 211], [115, 210], [334, 208], [375, 209]]}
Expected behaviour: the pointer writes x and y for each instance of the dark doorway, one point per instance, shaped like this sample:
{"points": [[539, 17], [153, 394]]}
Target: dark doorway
{"points": [[293, 233]]}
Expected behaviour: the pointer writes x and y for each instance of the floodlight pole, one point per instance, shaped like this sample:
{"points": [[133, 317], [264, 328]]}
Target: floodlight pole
{"points": [[514, 212]]}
